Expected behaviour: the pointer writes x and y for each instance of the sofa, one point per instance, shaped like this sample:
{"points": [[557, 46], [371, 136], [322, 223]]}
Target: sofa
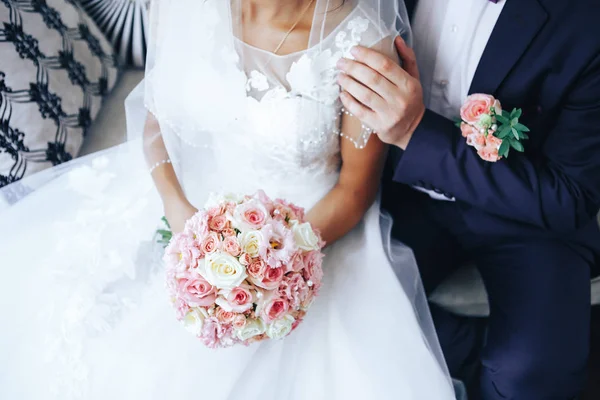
{"points": [[463, 293]]}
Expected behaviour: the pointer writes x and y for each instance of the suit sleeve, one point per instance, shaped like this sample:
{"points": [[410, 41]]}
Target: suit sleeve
{"points": [[559, 191]]}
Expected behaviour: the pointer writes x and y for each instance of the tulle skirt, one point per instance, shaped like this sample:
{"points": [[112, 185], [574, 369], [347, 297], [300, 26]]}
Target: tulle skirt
{"points": [[85, 315]]}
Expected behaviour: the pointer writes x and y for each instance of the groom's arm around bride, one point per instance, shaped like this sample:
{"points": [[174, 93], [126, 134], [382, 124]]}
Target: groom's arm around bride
{"points": [[527, 220]]}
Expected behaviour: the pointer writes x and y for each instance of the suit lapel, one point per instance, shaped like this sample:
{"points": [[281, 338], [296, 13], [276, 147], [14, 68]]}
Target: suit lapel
{"points": [[517, 26]]}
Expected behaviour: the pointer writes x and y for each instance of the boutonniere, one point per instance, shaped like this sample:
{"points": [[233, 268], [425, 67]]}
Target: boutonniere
{"points": [[490, 129]]}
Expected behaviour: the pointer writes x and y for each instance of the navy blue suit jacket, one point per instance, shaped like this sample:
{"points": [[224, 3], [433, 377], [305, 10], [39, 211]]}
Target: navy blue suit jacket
{"points": [[543, 56]]}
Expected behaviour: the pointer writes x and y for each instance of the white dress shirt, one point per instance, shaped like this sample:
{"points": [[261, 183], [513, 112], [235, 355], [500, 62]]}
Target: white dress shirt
{"points": [[449, 39]]}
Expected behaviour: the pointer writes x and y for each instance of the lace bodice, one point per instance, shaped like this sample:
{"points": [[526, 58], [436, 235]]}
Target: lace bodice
{"points": [[277, 118]]}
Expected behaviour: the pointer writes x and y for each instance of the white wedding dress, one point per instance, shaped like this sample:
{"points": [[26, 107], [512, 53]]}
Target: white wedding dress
{"points": [[83, 310]]}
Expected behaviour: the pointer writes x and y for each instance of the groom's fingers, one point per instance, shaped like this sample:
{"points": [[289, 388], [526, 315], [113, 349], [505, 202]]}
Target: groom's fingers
{"points": [[381, 64], [368, 77], [354, 107], [362, 93]]}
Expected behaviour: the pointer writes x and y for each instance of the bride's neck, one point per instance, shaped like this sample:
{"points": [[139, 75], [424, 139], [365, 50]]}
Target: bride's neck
{"points": [[269, 10]]}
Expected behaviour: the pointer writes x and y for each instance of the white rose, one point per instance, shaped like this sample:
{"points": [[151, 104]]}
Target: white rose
{"points": [[217, 199], [251, 242], [253, 327], [305, 236], [223, 270], [281, 327], [194, 320]]}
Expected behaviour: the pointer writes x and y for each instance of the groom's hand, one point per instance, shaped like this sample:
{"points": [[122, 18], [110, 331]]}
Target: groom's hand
{"points": [[383, 95]]}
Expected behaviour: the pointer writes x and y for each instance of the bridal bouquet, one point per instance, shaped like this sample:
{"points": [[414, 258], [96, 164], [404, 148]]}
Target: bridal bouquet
{"points": [[246, 268]]}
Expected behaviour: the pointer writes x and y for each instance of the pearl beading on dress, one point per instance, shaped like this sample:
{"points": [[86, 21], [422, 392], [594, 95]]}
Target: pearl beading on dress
{"points": [[158, 164]]}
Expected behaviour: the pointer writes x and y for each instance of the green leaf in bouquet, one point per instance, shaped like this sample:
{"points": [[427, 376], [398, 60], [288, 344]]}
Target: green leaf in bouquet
{"points": [[165, 233], [164, 220], [504, 148], [458, 122], [506, 114], [524, 135], [518, 146], [515, 133], [516, 113]]}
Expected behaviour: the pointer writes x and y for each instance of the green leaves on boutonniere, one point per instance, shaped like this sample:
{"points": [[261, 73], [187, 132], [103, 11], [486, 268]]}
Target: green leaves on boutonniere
{"points": [[510, 131], [489, 129], [163, 236]]}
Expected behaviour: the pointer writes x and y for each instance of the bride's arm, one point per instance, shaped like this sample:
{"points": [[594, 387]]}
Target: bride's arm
{"points": [[177, 208], [344, 206]]}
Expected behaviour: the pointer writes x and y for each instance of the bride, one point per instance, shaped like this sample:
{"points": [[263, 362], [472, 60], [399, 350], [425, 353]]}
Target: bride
{"points": [[239, 95]]}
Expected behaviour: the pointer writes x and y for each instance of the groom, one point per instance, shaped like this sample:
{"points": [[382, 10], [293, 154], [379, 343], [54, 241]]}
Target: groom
{"points": [[528, 221]]}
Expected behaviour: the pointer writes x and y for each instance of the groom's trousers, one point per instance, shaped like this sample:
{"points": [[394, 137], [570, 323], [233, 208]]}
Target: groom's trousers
{"points": [[536, 339]]}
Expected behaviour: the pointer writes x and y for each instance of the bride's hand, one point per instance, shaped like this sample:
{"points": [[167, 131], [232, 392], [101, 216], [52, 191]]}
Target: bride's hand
{"points": [[178, 212]]}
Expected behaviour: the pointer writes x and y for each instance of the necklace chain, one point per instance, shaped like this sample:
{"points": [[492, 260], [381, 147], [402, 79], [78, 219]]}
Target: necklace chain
{"points": [[287, 34]]}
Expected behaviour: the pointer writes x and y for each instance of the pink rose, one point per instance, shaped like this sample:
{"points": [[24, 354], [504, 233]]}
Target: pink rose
{"points": [[313, 273], [239, 321], [294, 289], [478, 107], [245, 259], [195, 290], [256, 269], [227, 232], [218, 223], [287, 211], [297, 263], [223, 316], [239, 300], [211, 243], [271, 278], [231, 246], [214, 211], [250, 215], [273, 309], [197, 226]]}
